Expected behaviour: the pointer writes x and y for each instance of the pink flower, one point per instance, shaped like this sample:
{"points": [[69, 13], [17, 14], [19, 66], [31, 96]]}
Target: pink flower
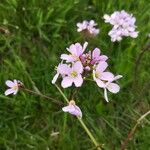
{"points": [[99, 75], [61, 70], [13, 87], [76, 51], [73, 75], [111, 87], [96, 57], [73, 109], [123, 25], [88, 26]]}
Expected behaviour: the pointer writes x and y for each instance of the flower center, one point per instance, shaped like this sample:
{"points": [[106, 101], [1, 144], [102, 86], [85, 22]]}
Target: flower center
{"points": [[15, 87], [97, 75], [74, 74]]}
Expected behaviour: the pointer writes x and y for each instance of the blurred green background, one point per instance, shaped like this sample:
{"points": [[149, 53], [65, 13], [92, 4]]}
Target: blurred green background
{"points": [[33, 35]]}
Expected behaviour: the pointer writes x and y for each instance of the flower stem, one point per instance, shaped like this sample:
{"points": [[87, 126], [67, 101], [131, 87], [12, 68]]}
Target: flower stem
{"points": [[41, 95], [81, 122]]}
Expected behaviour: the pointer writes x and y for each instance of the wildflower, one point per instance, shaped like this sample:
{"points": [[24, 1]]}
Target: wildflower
{"points": [[111, 87], [61, 69], [88, 27], [73, 109], [96, 57], [73, 75], [123, 25], [99, 75], [13, 87], [76, 51]]}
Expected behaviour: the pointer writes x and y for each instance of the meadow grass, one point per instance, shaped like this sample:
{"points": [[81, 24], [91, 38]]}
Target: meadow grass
{"points": [[33, 35]]}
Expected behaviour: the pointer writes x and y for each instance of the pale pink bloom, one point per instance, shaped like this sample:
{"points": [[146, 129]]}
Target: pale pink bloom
{"points": [[123, 25], [73, 109], [13, 87], [96, 57], [62, 70], [99, 75], [88, 26], [82, 26], [76, 50], [73, 75], [111, 87]]}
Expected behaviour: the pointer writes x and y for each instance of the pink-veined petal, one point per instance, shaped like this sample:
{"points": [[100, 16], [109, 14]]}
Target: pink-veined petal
{"points": [[66, 82], [100, 83], [101, 66], [9, 83], [103, 58], [108, 76], [78, 81], [79, 49], [95, 53], [113, 87], [78, 67], [9, 91], [63, 69]]}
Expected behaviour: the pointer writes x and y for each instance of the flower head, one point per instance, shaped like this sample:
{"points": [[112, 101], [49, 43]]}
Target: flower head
{"points": [[110, 86], [99, 74], [73, 75], [88, 27], [13, 87], [76, 50], [73, 109], [123, 25]]}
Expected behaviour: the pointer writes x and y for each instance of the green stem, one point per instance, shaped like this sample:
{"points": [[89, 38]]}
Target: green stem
{"points": [[81, 122]]}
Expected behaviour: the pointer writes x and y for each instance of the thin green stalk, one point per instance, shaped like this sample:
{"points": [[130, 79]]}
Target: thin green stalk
{"points": [[81, 122]]}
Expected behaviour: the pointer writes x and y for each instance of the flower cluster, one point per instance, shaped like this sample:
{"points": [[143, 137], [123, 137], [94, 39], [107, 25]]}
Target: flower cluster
{"points": [[78, 65], [123, 25], [88, 27]]}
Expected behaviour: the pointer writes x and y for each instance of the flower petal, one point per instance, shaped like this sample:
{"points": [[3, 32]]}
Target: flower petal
{"points": [[73, 109], [9, 91], [105, 95], [100, 83], [101, 66], [113, 87], [78, 81], [55, 78], [108, 76], [63, 69], [95, 53], [9, 83], [66, 82], [78, 67], [69, 108]]}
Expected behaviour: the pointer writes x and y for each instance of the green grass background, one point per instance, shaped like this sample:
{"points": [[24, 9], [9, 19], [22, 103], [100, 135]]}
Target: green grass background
{"points": [[39, 32]]}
